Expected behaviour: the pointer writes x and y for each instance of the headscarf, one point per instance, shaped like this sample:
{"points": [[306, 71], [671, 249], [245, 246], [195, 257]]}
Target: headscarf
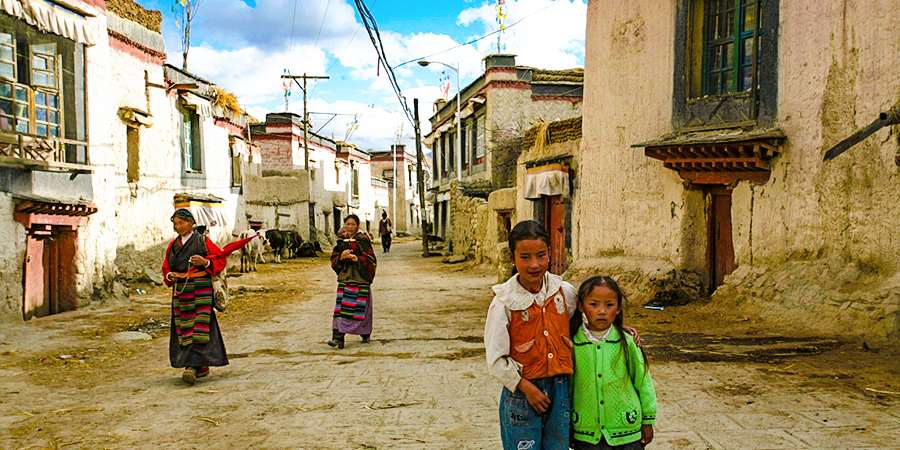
{"points": [[183, 214]]}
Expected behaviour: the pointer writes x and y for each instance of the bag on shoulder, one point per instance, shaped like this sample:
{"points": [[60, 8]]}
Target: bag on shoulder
{"points": [[220, 288], [220, 291]]}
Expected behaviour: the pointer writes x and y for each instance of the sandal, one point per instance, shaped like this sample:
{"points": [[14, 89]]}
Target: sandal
{"points": [[188, 376]]}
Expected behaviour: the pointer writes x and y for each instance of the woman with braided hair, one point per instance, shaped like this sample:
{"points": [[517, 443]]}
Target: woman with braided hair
{"points": [[195, 342]]}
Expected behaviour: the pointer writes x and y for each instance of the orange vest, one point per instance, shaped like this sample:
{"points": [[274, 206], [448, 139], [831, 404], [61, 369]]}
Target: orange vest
{"points": [[539, 338]]}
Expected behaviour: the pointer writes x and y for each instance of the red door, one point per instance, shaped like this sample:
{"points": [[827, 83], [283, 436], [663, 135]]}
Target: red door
{"points": [[35, 303], [49, 283], [720, 247], [556, 225]]}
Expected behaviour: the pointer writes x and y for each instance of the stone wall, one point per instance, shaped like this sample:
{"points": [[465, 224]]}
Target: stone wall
{"points": [[809, 220], [12, 244], [848, 298], [470, 222]]}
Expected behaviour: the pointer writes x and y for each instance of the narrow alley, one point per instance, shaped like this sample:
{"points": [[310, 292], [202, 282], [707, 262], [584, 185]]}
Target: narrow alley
{"points": [[99, 378]]}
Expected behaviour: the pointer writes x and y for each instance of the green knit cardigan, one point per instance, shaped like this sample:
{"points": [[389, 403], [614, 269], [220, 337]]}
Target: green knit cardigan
{"points": [[608, 401]]}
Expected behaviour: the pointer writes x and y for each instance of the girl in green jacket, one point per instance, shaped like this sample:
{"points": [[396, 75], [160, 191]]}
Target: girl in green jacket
{"points": [[613, 401]]}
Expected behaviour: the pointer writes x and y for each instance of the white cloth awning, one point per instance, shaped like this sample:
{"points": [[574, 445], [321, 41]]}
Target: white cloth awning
{"points": [[549, 179], [207, 209], [51, 18], [203, 107]]}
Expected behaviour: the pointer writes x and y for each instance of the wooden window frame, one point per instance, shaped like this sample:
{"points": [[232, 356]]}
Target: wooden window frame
{"points": [[726, 38], [190, 128]]}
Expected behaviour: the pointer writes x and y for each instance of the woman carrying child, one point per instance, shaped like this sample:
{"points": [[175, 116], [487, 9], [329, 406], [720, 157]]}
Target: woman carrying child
{"points": [[353, 260], [613, 401]]}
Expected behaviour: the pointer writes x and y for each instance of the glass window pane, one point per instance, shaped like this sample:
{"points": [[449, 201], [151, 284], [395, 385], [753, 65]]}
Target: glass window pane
{"points": [[749, 18], [43, 79], [729, 55], [727, 81], [39, 62], [41, 130], [6, 53], [53, 116], [44, 49], [7, 70], [6, 123], [746, 79], [21, 126], [713, 84], [40, 114], [729, 25], [5, 90], [747, 58], [53, 101], [715, 59], [6, 38], [40, 98], [22, 111], [54, 131], [6, 107], [21, 94]]}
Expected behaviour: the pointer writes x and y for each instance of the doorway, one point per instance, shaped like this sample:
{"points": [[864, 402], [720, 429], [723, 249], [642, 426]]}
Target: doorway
{"points": [[555, 221], [719, 244], [49, 281]]}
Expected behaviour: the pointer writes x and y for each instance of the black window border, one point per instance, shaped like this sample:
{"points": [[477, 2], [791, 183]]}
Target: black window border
{"points": [[684, 108]]}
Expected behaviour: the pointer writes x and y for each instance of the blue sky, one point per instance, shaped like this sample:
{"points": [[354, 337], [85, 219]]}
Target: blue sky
{"points": [[245, 45]]}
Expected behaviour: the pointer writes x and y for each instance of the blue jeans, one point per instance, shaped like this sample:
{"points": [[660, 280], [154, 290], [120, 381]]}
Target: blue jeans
{"points": [[522, 428]]}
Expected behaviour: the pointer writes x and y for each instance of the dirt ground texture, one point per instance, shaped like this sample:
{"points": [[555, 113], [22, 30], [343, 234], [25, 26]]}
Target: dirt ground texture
{"points": [[99, 378]]}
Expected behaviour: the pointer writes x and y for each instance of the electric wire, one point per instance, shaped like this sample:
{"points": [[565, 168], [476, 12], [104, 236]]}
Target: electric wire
{"points": [[478, 38], [372, 29], [323, 23]]}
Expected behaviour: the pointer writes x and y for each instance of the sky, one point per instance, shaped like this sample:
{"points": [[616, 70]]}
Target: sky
{"points": [[244, 46]]}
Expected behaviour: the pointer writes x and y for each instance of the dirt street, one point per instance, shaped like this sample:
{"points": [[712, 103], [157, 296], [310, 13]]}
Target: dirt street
{"points": [[100, 378]]}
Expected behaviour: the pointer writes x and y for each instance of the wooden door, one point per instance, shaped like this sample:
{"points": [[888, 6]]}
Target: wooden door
{"points": [[34, 304], [555, 210], [720, 247]]}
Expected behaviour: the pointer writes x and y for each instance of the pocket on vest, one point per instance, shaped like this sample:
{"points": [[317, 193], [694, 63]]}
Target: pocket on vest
{"points": [[523, 348]]}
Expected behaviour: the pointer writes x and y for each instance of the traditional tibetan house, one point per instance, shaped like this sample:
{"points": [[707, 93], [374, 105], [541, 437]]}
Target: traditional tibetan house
{"points": [[701, 172]]}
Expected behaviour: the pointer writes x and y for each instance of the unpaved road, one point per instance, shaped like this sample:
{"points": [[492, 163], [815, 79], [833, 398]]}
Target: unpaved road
{"points": [[76, 381]]}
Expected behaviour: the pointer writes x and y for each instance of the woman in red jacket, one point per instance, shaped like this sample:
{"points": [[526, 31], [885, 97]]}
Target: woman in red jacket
{"points": [[195, 342]]}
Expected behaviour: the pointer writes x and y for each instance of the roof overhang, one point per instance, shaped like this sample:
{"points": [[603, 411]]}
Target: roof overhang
{"points": [[718, 157]]}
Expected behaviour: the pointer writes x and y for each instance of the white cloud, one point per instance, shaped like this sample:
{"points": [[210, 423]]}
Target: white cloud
{"points": [[551, 36], [245, 50], [251, 73]]}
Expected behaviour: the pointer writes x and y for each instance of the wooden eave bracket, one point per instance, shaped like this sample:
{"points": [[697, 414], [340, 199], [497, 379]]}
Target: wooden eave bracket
{"points": [[718, 163]]}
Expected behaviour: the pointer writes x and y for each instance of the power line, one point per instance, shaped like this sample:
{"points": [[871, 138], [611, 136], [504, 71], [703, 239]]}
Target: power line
{"points": [[476, 39], [293, 19], [372, 29], [323, 23]]}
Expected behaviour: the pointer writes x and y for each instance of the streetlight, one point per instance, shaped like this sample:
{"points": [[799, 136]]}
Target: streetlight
{"points": [[459, 150]]}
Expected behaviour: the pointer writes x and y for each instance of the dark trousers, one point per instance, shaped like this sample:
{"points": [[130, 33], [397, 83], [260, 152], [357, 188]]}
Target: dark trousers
{"points": [[386, 242], [338, 336]]}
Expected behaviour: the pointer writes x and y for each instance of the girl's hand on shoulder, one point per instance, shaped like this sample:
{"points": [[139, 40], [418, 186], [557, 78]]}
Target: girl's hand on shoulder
{"points": [[536, 398], [634, 333], [646, 434]]}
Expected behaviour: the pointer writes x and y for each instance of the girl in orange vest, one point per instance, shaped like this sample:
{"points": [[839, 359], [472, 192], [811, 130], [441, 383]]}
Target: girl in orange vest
{"points": [[528, 346]]}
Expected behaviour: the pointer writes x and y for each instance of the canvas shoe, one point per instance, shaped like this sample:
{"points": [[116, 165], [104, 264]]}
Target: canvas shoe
{"points": [[188, 376]]}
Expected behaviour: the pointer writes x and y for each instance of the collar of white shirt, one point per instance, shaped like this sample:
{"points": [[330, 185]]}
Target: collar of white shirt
{"points": [[592, 335], [515, 297]]}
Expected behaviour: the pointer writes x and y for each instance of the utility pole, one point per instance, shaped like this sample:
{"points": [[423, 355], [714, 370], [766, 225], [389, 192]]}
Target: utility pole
{"points": [[305, 114], [421, 177]]}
